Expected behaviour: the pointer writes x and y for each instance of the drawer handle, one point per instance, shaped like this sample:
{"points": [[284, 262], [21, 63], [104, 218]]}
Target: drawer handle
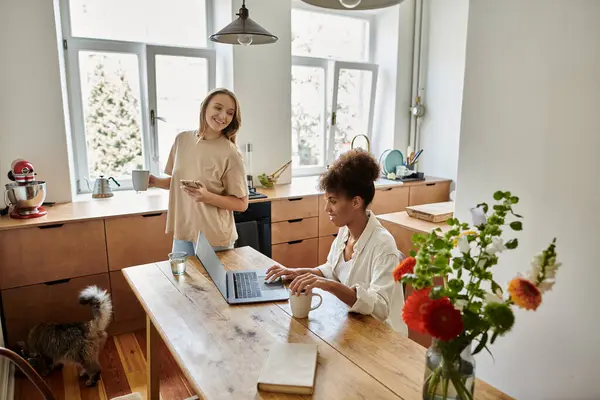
{"points": [[50, 226], [295, 241], [57, 282], [293, 221], [152, 215], [429, 184], [296, 199], [386, 189]]}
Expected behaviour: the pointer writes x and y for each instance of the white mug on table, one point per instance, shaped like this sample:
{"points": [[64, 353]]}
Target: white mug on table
{"points": [[301, 304]]}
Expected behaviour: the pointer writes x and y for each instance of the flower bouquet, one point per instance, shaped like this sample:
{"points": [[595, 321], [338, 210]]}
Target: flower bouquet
{"points": [[464, 306]]}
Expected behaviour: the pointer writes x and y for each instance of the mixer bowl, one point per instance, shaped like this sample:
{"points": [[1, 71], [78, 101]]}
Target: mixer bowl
{"points": [[29, 195]]}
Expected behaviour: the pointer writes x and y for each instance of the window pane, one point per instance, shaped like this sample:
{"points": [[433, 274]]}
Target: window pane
{"points": [[110, 89], [173, 22], [353, 106], [329, 36], [308, 105], [181, 85]]}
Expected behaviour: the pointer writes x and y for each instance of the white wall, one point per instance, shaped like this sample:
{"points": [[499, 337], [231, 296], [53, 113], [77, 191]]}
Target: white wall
{"points": [[444, 37], [262, 81], [31, 114], [530, 124]]}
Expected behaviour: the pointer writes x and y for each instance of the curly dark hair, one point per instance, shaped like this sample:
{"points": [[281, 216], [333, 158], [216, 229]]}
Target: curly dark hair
{"points": [[353, 174]]}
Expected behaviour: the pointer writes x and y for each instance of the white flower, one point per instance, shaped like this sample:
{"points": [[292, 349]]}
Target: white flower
{"points": [[463, 244], [494, 297], [496, 246], [460, 304], [478, 216]]}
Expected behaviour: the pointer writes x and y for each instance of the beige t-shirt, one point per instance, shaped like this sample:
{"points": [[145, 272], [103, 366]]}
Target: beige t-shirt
{"points": [[218, 164]]}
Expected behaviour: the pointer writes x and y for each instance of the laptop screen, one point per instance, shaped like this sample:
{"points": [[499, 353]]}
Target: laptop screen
{"points": [[212, 264]]}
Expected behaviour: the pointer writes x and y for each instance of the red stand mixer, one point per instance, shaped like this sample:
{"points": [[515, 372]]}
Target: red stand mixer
{"points": [[26, 195]]}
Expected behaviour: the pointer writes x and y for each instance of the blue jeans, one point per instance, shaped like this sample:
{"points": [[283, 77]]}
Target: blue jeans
{"points": [[189, 247]]}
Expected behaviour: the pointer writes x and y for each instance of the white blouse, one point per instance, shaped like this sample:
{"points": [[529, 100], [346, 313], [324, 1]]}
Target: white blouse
{"points": [[370, 272]]}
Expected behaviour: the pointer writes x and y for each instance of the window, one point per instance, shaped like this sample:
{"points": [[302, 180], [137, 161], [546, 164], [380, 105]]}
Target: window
{"points": [[137, 72], [333, 85]]}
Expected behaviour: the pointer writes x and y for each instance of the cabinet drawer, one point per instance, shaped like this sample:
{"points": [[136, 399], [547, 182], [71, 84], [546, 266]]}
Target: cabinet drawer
{"points": [[137, 240], [429, 193], [294, 208], [326, 227], [58, 302], [300, 254], [390, 200], [324, 246], [126, 305], [295, 229], [52, 252], [402, 236]]}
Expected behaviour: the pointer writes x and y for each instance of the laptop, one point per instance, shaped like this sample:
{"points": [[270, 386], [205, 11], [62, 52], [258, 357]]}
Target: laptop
{"points": [[238, 287]]}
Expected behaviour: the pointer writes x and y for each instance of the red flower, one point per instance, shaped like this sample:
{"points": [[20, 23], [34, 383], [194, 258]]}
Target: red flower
{"points": [[414, 309], [406, 266], [442, 320]]}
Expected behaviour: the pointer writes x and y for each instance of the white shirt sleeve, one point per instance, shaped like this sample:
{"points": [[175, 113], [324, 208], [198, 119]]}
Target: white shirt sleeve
{"points": [[376, 298]]}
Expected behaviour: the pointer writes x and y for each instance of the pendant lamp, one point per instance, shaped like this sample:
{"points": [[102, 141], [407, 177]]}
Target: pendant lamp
{"points": [[353, 4], [243, 31]]}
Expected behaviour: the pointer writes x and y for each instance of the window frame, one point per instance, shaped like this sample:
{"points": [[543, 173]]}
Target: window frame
{"points": [[72, 45], [332, 67]]}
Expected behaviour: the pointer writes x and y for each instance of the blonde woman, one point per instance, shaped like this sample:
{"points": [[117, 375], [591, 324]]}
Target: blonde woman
{"points": [[209, 156]]}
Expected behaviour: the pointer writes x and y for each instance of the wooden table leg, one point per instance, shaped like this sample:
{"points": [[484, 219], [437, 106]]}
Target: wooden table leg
{"points": [[152, 360]]}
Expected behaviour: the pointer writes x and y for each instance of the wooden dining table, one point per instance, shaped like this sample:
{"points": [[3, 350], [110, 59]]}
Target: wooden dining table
{"points": [[221, 348]]}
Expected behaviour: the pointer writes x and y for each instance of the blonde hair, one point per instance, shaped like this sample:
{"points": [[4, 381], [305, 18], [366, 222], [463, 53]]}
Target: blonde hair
{"points": [[230, 130]]}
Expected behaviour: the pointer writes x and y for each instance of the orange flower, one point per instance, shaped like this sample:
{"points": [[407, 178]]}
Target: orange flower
{"points": [[524, 293], [406, 266], [442, 320], [415, 308]]}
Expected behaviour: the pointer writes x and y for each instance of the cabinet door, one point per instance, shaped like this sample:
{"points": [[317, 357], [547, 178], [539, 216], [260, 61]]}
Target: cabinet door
{"points": [[57, 301], [51, 252], [324, 246], [389, 200], [126, 305], [298, 254], [137, 240], [326, 227], [434, 192]]}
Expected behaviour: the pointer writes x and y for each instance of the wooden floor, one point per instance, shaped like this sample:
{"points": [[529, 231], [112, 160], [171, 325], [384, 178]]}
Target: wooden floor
{"points": [[123, 371]]}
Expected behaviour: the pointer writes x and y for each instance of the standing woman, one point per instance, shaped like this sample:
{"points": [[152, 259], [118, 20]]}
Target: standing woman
{"points": [[210, 156]]}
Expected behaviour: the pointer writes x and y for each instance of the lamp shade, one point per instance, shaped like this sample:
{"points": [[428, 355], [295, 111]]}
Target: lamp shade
{"points": [[351, 4], [243, 31]]}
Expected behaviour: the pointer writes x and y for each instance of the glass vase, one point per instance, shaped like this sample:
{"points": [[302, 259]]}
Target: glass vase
{"points": [[449, 375]]}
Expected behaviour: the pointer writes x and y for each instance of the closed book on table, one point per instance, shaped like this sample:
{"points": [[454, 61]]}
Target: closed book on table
{"points": [[289, 368]]}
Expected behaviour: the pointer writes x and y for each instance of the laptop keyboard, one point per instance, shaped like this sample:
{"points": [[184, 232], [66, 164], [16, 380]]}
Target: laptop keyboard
{"points": [[246, 285]]}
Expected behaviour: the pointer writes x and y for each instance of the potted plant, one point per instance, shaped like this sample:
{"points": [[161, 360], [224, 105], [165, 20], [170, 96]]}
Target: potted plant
{"points": [[470, 309]]}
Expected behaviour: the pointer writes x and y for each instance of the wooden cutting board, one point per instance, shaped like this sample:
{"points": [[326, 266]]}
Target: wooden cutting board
{"points": [[434, 212]]}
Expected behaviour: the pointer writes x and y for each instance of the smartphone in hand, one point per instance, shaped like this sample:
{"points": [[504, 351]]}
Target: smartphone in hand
{"points": [[191, 183]]}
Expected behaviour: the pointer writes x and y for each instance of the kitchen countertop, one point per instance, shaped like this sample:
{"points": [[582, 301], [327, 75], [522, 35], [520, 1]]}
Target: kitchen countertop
{"points": [[128, 202], [413, 224]]}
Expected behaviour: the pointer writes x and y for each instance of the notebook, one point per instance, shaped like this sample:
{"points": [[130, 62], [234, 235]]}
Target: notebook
{"points": [[289, 368]]}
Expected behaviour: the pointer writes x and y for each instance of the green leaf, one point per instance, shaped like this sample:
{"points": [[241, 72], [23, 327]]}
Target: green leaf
{"points": [[439, 244], [514, 199], [517, 215], [482, 343], [456, 284], [496, 287], [499, 195], [412, 253], [484, 206], [512, 244], [516, 226]]}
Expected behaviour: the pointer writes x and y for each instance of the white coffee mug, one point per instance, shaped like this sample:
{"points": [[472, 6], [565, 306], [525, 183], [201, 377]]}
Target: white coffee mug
{"points": [[402, 170], [140, 179], [301, 304]]}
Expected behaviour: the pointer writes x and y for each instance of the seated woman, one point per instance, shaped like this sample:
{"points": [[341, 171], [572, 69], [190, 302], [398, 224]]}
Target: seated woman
{"points": [[363, 256]]}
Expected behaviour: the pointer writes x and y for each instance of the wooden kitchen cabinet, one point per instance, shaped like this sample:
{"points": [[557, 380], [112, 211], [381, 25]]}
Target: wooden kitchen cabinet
{"points": [[324, 246], [27, 306], [297, 254], [294, 208], [136, 240], [388, 200], [125, 303], [51, 252], [296, 229], [430, 192]]}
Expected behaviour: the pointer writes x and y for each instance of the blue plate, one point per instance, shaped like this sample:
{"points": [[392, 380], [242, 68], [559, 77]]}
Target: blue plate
{"points": [[392, 159]]}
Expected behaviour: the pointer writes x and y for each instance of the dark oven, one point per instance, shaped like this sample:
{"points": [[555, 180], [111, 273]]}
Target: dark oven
{"points": [[254, 227]]}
